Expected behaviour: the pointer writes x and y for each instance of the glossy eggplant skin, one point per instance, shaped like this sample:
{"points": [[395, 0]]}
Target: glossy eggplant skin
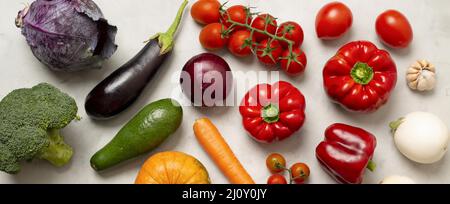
{"points": [[121, 89]]}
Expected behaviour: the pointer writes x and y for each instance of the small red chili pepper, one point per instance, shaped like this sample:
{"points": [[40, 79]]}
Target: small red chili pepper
{"points": [[346, 152]]}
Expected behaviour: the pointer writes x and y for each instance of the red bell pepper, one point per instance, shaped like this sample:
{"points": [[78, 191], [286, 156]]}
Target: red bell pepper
{"points": [[346, 152], [360, 77], [273, 113]]}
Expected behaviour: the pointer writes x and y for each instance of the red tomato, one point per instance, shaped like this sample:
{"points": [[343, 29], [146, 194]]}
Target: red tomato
{"points": [[291, 31], [240, 43], [394, 29], [276, 163], [214, 36], [269, 52], [261, 22], [237, 13], [300, 172], [276, 179], [333, 21], [295, 63], [206, 11]]}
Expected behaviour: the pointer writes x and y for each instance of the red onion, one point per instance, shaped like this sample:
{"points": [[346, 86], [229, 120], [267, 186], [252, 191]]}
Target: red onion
{"points": [[206, 80]]}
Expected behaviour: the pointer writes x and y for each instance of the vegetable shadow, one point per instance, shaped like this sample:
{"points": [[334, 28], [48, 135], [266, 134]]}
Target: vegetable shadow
{"points": [[296, 141], [214, 112], [424, 93], [246, 61], [337, 43], [82, 77], [39, 172], [396, 52], [364, 119], [429, 170], [298, 79]]}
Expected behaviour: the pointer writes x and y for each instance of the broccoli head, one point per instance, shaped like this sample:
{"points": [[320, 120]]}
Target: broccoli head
{"points": [[30, 120]]}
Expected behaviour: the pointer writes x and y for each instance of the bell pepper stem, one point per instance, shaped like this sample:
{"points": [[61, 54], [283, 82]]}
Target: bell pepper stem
{"points": [[271, 113], [362, 73], [166, 40], [371, 166]]}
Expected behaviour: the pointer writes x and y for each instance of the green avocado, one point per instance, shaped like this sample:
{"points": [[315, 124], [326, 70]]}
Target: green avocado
{"points": [[145, 132]]}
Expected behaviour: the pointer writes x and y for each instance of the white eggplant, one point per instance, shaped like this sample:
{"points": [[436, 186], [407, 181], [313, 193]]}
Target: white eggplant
{"points": [[421, 137]]}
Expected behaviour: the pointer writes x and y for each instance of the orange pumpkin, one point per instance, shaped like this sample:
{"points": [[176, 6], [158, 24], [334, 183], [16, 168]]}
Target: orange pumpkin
{"points": [[172, 168]]}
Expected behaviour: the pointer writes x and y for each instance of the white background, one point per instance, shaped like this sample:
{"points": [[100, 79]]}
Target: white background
{"points": [[137, 20]]}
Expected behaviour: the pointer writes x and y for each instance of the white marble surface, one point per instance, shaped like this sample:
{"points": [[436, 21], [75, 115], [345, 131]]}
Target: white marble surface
{"points": [[139, 19]]}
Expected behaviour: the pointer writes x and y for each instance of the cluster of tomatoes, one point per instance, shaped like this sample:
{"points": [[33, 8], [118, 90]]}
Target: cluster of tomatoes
{"points": [[276, 163], [243, 35]]}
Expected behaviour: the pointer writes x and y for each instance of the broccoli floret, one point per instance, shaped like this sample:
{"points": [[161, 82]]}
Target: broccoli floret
{"points": [[30, 120]]}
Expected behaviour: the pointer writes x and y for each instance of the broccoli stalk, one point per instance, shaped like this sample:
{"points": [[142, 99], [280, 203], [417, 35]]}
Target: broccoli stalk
{"points": [[58, 152]]}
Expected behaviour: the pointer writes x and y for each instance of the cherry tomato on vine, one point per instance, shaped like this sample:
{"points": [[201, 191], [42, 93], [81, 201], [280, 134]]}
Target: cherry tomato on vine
{"points": [[394, 29], [293, 63], [276, 163], [260, 23], [214, 36], [269, 52], [240, 43], [300, 172], [333, 21], [291, 31], [237, 13], [276, 179], [206, 11]]}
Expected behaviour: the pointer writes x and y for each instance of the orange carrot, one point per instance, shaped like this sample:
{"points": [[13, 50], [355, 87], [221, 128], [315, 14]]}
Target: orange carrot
{"points": [[215, 145]]}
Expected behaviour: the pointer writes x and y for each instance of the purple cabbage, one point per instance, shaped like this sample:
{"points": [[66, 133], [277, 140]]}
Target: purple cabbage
{"points": [[68, 35]]}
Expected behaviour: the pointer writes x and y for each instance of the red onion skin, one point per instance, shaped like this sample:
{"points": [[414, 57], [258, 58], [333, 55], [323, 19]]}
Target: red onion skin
{"points": [[199, 67]]}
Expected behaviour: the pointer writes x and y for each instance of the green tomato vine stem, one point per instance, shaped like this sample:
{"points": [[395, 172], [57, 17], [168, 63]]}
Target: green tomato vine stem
{"points": [[291, 178], [252, 30]]}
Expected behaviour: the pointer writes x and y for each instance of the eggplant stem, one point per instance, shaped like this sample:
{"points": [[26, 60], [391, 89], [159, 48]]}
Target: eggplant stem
{"points": [[166, 40], [395, 124], [174, 27]]}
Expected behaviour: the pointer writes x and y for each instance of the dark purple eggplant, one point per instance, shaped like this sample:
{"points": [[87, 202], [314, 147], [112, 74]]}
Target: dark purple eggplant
{"points": [[121, 89]]}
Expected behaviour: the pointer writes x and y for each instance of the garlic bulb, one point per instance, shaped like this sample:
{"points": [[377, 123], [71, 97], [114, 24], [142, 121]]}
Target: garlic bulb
{"points": [[421, 76]]}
